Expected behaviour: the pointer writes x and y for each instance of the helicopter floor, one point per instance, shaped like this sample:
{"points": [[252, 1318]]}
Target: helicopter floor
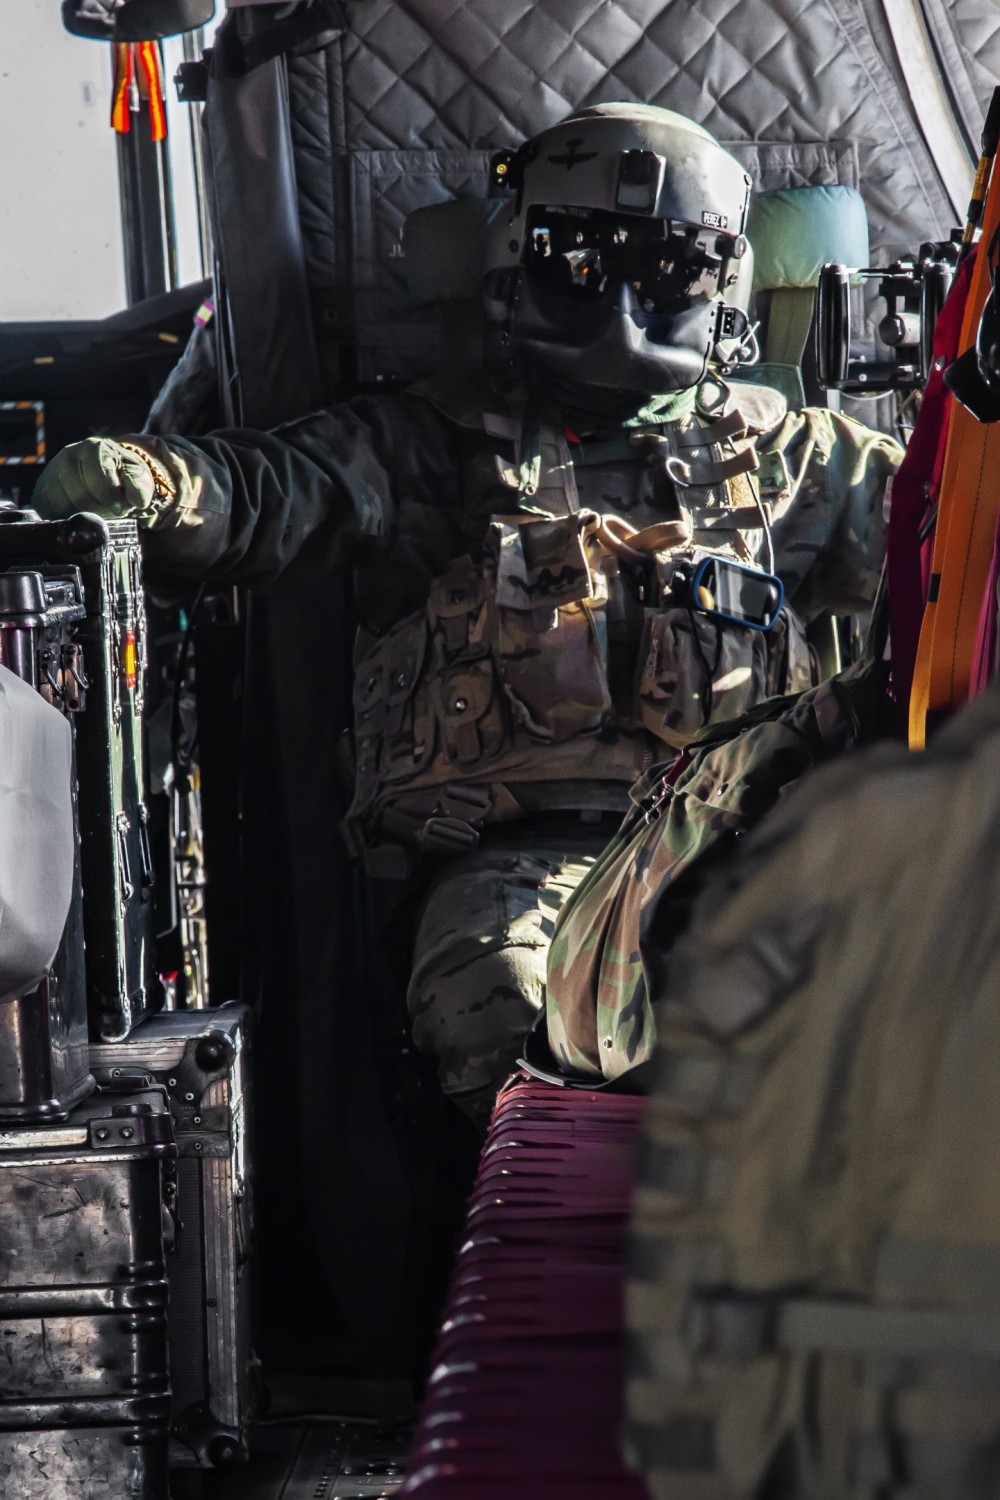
{"points": [[321, 1439], [315, 1460]]}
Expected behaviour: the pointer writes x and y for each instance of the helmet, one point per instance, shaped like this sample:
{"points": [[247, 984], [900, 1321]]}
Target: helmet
{"points": [[608, 272]]}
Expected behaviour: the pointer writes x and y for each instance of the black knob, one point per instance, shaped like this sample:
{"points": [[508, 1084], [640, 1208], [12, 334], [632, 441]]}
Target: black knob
{"points": [[84, 533], [216, 1049], [222, 1451]]}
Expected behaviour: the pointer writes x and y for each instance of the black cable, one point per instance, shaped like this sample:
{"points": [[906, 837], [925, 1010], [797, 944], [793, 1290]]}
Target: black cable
{"points": [[181, 754]]}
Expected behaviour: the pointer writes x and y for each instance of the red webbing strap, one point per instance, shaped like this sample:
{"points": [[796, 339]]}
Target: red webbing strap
{"points": [[966, 525], [916, 487]]}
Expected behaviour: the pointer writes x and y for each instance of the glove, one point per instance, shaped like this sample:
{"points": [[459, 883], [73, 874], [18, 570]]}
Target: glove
{"points": [[107, 478]]}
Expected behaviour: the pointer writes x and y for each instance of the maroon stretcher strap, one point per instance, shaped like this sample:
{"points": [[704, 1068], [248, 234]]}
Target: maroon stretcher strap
{"points": [[525, 1397]]}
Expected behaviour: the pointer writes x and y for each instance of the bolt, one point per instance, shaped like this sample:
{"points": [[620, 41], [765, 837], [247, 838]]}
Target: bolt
{"points": [[126, 1132], [199, 1146], [197, 1119], [460, 705], [102, 1135], [171, 1083], [189, 1098]]}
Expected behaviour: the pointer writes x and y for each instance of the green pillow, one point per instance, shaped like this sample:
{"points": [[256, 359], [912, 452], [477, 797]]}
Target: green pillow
{"points": [[795, 231]]}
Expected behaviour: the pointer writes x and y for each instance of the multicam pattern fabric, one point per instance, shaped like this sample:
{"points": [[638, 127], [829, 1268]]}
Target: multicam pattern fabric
{"points": [[813, 1289], [478, 977], [471, 708], [616, 931]]}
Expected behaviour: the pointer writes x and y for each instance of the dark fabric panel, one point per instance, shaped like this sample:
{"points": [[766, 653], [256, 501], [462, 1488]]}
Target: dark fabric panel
{"points": [[259, 241]]}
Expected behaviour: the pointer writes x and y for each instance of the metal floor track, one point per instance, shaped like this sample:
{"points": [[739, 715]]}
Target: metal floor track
{"points": [[319, 1460]]}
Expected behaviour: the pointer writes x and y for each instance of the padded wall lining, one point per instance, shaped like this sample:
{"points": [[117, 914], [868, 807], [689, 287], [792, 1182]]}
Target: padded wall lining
{"points": [[416, 92]]}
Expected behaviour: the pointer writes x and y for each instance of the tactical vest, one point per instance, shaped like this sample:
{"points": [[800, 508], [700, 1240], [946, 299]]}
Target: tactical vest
{"points": [[550, 671]]}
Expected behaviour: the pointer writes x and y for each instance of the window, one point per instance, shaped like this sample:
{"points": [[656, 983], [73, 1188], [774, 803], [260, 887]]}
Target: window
{"points": [[60, 214], [60, 220]]}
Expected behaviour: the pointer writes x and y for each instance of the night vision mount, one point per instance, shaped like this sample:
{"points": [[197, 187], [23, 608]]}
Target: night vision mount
{"points": [[914, 289]]}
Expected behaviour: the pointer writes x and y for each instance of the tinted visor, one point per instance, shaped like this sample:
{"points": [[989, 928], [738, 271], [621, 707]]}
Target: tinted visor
{"points": [[580, 252]]}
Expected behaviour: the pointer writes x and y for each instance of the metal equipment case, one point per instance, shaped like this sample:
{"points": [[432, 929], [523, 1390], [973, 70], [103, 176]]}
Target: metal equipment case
{"points": [[201, 1059], [114, 823], [84, 1401], [105, 655]]}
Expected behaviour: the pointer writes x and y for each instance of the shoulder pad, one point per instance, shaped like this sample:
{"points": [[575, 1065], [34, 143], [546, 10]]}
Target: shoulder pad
{"points": [[761, 406]]}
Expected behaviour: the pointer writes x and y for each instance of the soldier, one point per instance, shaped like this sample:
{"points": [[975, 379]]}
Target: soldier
{"points": [[562, 571]]}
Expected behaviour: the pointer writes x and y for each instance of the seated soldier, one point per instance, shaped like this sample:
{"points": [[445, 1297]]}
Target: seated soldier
{"points": [[525, 550]]}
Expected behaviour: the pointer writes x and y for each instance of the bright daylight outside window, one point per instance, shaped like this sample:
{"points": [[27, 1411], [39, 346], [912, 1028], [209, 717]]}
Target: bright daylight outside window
{"points": [[60, 215]]}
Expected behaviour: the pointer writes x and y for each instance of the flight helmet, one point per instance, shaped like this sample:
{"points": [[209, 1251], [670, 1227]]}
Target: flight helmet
{"points": [[609, 268]]}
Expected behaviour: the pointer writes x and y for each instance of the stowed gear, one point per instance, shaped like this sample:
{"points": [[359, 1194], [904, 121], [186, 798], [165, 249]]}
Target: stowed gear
{"points": [[626, 233]]}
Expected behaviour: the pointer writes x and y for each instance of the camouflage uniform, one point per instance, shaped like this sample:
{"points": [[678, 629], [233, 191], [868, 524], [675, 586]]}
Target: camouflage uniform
{"points": [[504, 672]]}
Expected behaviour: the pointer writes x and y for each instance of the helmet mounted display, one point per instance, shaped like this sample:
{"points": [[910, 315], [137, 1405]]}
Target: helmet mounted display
{"points": [[611, 267]]}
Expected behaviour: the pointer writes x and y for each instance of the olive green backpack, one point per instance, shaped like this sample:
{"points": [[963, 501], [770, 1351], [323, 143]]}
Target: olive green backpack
{"points": [[814, 1264]]}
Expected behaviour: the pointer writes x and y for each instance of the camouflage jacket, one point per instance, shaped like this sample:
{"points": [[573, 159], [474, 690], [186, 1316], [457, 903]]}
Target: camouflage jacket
{"points": [[615, 934], [502, 664]]}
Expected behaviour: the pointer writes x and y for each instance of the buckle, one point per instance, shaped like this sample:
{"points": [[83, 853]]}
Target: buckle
{"points": [[448, 835], [468, 802]]}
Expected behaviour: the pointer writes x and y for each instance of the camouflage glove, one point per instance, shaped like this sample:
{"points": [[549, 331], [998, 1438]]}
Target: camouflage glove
{"points": [[108, 478]]}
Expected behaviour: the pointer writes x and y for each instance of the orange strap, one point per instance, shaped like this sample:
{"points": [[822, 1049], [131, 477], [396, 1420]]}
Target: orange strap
{"points": [[147, 55], [120, 107], [965, 530], [149, 61]]}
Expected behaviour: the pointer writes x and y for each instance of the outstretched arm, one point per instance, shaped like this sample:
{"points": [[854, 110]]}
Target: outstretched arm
{"points": [[243, 506]]}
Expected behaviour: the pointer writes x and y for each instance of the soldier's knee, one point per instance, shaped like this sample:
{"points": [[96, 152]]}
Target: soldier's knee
{"points": [[474, 1018]]}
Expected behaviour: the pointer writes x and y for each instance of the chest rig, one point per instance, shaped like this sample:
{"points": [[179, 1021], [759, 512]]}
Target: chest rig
{"points": [[562, 655]]}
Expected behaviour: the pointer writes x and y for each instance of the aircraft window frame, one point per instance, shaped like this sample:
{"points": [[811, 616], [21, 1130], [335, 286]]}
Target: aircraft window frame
{"points": [[68, 253]]}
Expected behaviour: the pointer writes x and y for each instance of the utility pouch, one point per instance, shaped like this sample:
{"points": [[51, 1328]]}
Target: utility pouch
{"points": [[551, 630], [394, 724], [693, 668]]}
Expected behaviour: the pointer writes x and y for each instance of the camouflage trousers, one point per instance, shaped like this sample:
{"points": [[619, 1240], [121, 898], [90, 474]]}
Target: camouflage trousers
{"points": [[478, 976]]}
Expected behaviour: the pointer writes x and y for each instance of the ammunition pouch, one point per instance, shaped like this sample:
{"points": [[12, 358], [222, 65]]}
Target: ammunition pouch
{"points": [[563, 657]]}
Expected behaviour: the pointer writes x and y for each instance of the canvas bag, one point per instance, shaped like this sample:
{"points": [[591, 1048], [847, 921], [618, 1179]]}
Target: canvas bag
{"points": [[814, 1265], [688, 816]]}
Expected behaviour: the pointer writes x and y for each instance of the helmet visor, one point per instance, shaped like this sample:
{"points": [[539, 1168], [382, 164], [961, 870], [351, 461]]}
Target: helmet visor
{"points": [[580, 252]]}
